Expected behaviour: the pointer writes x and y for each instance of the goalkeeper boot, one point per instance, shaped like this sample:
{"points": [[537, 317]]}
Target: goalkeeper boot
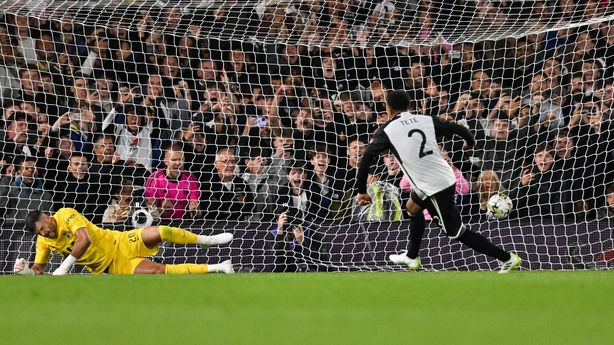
{"points": [[403, 259], [510, 264], [215, 240]]}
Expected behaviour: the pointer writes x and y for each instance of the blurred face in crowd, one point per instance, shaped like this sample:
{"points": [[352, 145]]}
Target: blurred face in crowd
{"points": [[577, 85], [132, 121], [207, 71], [563, 146], [500, 129], [610, 200], [28, 172], [18, 131], [66, 147], [185, 45], [170, 67], [392, 165], [363, 112], [296, 177], [80, 89], [584, 43], [543, 160], [356, 150], [286, 144], [104, 150], [225, 164], [327, 110], [304, 120], [47, 84], [488, 184], [416, 71], [480, 83], [552, 68], [30, 81], [45, 47], [78, 167], [291, 54], [155, 84], [328, 67], [608, 95], [104, 87], [174, 163], [320, 162], [237, 59], [590, 71]]}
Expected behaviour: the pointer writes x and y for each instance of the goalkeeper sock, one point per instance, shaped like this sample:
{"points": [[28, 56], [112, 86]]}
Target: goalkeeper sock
{"points": [[186, 269], [416, 230], [479, 243], [177, 235]]}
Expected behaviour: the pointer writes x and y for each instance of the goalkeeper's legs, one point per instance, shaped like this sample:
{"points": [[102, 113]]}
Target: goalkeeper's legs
{"points": [[148, 267], [153, 235]]}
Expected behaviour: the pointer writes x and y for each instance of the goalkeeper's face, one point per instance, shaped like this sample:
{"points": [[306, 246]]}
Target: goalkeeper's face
{"points": [[46, 227]]}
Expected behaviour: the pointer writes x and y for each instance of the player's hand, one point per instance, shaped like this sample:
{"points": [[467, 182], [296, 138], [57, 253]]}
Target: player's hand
{"points": [[65, 266], [363, 199], [22, 268]]}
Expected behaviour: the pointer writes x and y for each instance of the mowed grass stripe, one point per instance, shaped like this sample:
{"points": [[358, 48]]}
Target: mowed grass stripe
{"points": [[343, 308]]}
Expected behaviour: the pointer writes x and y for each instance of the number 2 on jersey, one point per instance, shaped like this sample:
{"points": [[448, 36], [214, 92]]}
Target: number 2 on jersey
{"points": [[421, 154]]}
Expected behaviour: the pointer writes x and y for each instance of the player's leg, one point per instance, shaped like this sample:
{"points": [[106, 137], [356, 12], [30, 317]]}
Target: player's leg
{"points": [[145, 266], [443, 206], [154, 235], [416, 231]]}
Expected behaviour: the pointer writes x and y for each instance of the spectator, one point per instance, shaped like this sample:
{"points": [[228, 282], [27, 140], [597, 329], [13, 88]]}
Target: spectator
{"points": [[504, 151], [9, 68], [294, 194], [23, 192], [258, 183], [607, 210], [122, 205], [230, 198], [136, 143], [174, 191], [539, 192], [75, 188], [486, 186], [15, 139], [297, 245], [324, 198]]}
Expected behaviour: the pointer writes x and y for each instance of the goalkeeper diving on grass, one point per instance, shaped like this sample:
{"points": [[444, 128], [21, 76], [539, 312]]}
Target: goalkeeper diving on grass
{"points": [[77, 240], [413, 141]]}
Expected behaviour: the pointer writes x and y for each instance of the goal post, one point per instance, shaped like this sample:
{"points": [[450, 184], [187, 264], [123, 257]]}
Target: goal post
{"points": [[224, 115]]}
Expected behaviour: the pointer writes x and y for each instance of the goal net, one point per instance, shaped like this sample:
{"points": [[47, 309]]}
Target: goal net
{"points": [[242, 115]]}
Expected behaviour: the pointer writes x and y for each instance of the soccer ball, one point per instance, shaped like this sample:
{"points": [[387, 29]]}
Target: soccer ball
{"points": [[499, 206]]}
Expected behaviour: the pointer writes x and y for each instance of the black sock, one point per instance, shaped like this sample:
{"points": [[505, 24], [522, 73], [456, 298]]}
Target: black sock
{"points": [[481, 244], [416, 230]]}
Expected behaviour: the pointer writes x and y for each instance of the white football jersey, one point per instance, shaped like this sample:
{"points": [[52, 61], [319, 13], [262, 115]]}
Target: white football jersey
{"points": [[413, 141]]}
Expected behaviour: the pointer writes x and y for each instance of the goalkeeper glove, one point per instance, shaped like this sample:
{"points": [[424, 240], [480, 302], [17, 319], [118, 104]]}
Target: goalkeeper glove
{"points": [[22, 268], [65, 266]]}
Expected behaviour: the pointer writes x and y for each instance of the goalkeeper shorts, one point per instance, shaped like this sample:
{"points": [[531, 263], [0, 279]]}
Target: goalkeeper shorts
{"points": [[130, 252]]}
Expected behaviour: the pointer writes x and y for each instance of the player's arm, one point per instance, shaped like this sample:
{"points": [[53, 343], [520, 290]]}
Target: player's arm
{"points": [[378, 144], [449, 129], [82, 243]]}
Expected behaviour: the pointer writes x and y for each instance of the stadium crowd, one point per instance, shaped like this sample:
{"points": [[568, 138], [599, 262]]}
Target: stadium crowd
{"points": [[238, 111]]}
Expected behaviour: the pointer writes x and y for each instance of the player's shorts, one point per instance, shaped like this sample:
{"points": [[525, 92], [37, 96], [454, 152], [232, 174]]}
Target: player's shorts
{"points": [[442, 207], [130, 252]]}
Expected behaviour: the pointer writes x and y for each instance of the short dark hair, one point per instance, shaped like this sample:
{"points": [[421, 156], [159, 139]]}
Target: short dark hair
{"points": [[32, 218], [398, 100]]}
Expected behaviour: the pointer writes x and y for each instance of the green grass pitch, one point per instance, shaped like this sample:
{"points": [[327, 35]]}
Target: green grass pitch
{"points": [[331, 308]]}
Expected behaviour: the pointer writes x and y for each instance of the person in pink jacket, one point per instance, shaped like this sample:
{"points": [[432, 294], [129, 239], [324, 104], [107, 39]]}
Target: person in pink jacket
{"points": [[174, 191], [462, 185]]}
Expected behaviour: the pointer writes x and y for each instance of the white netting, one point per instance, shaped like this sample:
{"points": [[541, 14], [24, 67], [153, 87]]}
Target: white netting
{"points": [[280, 97]]}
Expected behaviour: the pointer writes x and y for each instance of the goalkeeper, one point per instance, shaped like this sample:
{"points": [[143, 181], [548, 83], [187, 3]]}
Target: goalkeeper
{"points": [[75, 238]]}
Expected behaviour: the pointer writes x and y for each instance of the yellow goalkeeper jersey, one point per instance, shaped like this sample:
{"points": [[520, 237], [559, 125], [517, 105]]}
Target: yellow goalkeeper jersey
{"points": [[100, 252]]}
